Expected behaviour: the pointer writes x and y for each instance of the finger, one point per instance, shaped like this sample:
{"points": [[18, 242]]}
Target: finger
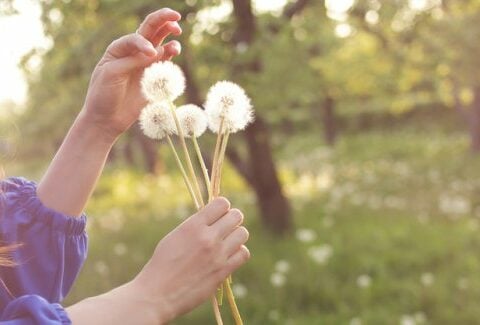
{"points": [[154, 21], [240, 257], [130, 45], [169, 28], [237, 259], [129, 63], [226, 224], [213, 211], [237, 238], [171, 49]]}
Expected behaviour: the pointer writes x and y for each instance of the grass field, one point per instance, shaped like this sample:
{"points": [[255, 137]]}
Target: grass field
{"points": [[387, 232]]}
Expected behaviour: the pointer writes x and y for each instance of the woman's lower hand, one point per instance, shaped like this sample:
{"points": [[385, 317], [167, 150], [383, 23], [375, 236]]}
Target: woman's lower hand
{"points": [[192, 261]]}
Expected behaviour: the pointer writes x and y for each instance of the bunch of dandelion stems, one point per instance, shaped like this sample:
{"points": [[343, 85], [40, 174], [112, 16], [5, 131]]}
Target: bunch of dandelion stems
{"points": [[213, 189]]}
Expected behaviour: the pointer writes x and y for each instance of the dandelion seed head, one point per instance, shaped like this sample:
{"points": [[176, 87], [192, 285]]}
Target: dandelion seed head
{"points": [[163, 81], [228, 101], [156, 121], [193, 120]]}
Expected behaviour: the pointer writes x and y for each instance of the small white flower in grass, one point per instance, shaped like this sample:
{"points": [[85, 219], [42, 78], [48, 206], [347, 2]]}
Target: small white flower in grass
{"points": [[120, 249], [427, 279], [407, 320], [163, 81], [156, 121], [305, 235], [462, 283], [320, 254], [228, 101], [364, 281], [278, 279], [239, 290], [193, 120], [273, 315], [420, 317], [282, 266], [355, 321], [101, 268]]}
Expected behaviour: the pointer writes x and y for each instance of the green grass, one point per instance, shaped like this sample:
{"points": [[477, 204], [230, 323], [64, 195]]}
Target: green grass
{"points": [[399, 210]]}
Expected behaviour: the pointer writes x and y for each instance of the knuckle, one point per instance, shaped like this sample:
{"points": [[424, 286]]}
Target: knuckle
{"points": [[207, 242]]}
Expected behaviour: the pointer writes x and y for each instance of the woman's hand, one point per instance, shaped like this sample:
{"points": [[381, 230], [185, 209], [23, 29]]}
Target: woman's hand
{"points": [[114, 99], [185, 269], [191, 261]]}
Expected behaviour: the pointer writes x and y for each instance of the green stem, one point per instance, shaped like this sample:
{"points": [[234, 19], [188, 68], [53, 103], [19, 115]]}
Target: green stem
{"points": [[215, 157], [202, 165], [184, 174], [231, 301], [221, 158], [187, 156]]}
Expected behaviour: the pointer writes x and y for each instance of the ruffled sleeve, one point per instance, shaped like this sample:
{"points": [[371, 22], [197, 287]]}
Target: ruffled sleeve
{"points": [[53, 245], [31, 310]]}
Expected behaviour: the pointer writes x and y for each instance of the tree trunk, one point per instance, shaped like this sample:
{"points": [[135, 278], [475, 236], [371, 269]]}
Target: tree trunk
{"points": [[329, 124], [273, 205], [148, 149], [474, 122]]}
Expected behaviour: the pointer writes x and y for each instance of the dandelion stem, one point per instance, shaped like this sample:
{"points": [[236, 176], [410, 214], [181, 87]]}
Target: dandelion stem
{"points": [[221, 158], [216, 311], [202, 165], [184, 174], [187, 157], [215, 157], [233, 305]]}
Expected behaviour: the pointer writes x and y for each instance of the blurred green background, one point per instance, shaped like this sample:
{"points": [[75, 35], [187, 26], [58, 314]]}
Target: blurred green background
{"points": [[359, 179]]}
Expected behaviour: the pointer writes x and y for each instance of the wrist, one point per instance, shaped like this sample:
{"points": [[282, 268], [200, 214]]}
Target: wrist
{"points": [[151, 303], [95, 129]]}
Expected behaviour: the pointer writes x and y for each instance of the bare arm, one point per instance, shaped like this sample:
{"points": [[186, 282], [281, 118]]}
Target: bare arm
{"points": [[185, 269], [112, 105]]}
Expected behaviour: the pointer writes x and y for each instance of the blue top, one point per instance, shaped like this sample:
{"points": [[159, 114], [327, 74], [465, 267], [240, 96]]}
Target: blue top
{"points": [[53, 249]]}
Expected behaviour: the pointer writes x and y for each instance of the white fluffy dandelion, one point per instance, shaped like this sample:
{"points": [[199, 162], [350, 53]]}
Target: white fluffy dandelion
{"points": [[193, 120], [156, 121], [228, 101], [163, 81]]}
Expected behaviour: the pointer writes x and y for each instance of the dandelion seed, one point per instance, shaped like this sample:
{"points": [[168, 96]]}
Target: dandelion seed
{"points": [[163, 81], [193, 120], [156, 121], [228, 101]]}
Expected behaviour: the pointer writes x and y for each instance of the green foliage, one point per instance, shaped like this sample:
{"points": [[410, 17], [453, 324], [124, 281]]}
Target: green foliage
{"points": [[399, 213]]}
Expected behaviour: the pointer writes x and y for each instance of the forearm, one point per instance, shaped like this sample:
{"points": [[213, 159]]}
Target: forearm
{"points": [[73, 173], [123, 305]]}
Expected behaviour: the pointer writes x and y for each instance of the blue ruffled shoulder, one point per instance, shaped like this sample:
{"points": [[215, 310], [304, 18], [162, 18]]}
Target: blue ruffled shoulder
{"points": [[53, 246]]}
